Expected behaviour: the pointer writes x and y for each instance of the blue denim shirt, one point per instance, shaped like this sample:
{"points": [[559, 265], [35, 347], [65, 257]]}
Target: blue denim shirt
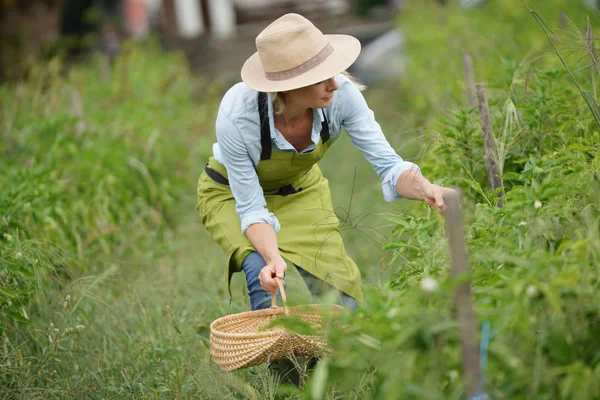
{"points": [[238, 144]]}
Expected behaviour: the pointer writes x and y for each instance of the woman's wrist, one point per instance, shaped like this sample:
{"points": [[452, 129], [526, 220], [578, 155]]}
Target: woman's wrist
{"points": [[424, 189], [412, 185], [273, 258]]}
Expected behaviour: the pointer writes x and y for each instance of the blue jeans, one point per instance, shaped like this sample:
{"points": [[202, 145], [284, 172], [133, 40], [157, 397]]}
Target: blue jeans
{"points": [[261, 299]]}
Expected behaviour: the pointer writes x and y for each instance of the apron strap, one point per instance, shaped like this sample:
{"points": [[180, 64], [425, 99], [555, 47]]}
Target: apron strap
{"points": [[265, 131], [324, 128]]}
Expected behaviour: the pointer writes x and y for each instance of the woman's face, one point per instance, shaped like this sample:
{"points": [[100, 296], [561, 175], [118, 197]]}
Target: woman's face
{"points": [[318, 95]]}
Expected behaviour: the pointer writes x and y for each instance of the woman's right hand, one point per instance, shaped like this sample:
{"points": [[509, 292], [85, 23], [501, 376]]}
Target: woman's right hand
{"points": [[274, 269]]}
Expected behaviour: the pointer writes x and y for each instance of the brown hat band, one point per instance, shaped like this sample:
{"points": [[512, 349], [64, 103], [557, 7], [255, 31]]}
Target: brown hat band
{"points": [[302, 68]]}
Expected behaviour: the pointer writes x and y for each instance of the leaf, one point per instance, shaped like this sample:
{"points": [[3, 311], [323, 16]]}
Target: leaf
{"points": [[16, 316], [369, 341], [85, 316], [24, 313], [319, 379], [473, 184], [552, 298], [7, 292]]}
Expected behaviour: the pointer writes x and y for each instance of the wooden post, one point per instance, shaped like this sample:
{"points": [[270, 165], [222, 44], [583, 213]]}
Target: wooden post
{"points": [[470, 80], [489, 143], [463, 303]]}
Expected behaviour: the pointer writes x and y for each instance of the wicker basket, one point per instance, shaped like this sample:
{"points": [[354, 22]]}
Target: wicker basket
{"points": [[241, 341]]}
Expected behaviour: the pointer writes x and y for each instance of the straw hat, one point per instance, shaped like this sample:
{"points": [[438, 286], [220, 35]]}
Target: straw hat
{"points": [[293, 53]]}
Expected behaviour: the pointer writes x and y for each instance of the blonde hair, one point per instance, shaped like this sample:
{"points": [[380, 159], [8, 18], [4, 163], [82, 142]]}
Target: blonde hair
{"points": [[279, 104]]}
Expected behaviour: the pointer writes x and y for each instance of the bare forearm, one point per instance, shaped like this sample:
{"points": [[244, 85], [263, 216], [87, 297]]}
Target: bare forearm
{"points": [[262, 236], [411, 185]]}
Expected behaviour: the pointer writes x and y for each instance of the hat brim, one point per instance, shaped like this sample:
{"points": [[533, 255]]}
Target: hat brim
{"points": [[346, 51]]}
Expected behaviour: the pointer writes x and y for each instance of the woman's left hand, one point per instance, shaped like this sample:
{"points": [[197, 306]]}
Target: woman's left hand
{"points": [[433, 195], [413, 185]]}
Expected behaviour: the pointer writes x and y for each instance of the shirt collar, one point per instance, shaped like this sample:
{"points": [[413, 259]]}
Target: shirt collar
{"points": [[280, 141]]}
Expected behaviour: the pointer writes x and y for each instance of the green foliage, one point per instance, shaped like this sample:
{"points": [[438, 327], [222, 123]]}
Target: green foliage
{"points": [[534, 262], [502, 37], [91, 166]]}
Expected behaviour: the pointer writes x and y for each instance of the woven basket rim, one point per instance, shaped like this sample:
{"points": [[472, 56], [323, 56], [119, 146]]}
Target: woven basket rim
{"points": [[259, 313]]}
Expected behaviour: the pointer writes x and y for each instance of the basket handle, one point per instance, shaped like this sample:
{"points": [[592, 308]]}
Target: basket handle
{"points": [[283, 296]]}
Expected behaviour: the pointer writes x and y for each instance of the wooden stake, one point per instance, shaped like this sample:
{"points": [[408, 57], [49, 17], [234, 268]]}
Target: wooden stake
{"points": [[462, 297], [489, 143], [470, 80]]}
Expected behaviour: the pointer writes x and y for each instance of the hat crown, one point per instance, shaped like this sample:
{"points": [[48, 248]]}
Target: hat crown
{"points": [[289, 42]]}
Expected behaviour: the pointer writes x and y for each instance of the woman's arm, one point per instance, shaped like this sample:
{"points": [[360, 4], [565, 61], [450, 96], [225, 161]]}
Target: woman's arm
{"points": [[367, 136], [413, 185], [262, 236], [257, 222], [400, 178]]}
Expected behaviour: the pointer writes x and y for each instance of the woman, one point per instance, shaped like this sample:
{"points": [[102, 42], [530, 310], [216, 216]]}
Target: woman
{"points": [[272, 129]]}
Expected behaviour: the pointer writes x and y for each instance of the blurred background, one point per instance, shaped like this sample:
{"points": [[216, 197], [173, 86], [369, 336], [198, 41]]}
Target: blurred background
{"points": [[109, 282], [216, 35]]}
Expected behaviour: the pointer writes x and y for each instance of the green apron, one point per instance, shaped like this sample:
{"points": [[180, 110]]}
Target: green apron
{"points": [[299, 196]]}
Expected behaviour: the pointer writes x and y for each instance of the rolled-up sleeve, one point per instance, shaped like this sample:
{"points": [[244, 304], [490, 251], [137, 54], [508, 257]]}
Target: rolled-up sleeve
{"points": [[251, 206], [389, 181], [364, 131]]}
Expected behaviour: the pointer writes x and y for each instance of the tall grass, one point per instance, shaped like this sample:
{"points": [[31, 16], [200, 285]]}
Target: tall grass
{"points": [[94, 169]]}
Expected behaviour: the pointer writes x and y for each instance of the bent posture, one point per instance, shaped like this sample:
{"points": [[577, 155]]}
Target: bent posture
{"points": [[262, 195]]}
